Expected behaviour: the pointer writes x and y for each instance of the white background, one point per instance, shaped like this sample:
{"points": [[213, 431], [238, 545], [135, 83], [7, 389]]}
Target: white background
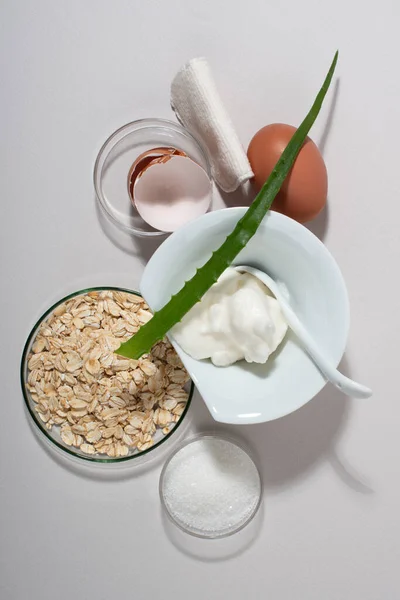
{"points": [[71, 72]]}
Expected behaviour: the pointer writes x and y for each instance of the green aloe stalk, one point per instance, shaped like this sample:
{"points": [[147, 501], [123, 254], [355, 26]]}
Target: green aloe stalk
{"points": [[193, 290]]}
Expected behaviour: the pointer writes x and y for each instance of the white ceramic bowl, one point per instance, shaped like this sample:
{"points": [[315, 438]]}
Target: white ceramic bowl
{"points": [[251, 393]]}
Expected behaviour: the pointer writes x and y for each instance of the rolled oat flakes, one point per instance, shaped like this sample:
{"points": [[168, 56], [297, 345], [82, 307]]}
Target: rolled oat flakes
{"points": [[104, 403]]}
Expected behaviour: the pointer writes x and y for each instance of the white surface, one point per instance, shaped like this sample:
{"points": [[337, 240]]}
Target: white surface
{"points": [[255, 393], [71, 73]]}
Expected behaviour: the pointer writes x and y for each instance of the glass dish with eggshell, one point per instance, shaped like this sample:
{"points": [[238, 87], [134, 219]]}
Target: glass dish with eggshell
{"points": [[151, 176]]}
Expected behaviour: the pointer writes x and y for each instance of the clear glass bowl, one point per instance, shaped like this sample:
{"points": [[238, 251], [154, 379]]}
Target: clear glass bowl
{"points": [[215, 533], [53, 438], [118, 154]]}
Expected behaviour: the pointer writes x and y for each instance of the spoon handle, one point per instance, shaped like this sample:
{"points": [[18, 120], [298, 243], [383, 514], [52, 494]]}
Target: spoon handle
{"points": [[343, 383]]}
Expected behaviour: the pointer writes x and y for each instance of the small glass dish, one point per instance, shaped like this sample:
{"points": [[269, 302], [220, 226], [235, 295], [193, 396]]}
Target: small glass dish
{"points": [[234, 513], [52, 436], [116, 158]]}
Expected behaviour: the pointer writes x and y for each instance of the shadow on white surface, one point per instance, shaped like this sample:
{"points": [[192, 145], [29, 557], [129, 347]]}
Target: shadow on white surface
{"points": [[116, 471], [349, 475], [141, 247], [330, 118], [208, 550], [319, 226], [243, 196], [289, 449]]}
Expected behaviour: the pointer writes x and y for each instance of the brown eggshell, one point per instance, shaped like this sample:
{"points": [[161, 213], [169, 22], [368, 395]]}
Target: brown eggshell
{"points": [[146, 159], [304, 191]]}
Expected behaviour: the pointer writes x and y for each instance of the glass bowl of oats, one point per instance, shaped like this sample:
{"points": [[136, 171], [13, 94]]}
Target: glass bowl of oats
{"points": [[90, 403]]}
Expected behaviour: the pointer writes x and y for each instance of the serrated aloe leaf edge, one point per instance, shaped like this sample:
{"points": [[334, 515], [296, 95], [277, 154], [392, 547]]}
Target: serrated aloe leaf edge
{"points": [[194, 289]]}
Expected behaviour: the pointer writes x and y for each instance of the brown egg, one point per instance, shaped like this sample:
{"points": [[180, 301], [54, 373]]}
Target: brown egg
{"points": [[303, 193]]}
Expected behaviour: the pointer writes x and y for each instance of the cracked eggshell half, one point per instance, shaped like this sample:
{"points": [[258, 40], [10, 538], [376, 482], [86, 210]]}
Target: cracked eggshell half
{"points": [[169, 193]]}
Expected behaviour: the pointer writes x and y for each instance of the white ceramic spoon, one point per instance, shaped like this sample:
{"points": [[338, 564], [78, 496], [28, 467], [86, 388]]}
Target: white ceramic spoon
{"points": [[343, 383]]}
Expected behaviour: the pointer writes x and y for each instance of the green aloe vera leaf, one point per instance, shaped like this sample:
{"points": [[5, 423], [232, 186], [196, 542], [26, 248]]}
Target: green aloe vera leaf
{"points": [[193, 290]]}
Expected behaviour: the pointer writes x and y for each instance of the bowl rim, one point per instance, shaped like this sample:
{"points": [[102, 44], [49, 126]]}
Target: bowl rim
{"points": [[89, 458], [115, 138], [216, 435]]}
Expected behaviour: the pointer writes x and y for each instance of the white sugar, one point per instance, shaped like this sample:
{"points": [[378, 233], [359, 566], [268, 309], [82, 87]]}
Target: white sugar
{"points": [[211, 486]]}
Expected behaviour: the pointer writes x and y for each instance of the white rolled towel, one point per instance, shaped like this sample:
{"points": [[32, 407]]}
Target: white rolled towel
{"points": [[198, 106]]}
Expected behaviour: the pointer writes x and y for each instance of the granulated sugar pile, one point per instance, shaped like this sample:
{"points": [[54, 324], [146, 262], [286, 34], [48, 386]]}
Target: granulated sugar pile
{"points": [[211, 487]]}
